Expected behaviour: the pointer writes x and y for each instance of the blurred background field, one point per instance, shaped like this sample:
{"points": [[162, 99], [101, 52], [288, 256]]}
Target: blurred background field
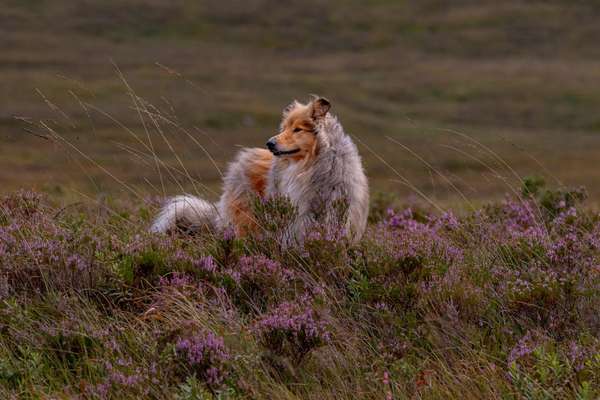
{"points": [[455, 100]]}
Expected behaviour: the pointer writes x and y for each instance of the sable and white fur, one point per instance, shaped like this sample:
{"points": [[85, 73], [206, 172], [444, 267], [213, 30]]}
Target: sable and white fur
{"points": [[312, 162]]}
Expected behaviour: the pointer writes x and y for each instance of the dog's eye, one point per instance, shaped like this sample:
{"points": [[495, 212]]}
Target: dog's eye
{"points": [[296, 130]]}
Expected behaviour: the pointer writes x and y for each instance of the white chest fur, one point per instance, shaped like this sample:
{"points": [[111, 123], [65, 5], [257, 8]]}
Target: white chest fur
{"points": [[291, 181]]}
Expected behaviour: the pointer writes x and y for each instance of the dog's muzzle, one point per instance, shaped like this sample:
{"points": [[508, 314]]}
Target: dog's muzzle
{"points": [[272, 146]]}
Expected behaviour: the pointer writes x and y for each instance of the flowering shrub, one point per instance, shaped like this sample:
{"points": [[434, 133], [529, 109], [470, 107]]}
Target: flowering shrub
{"points": [[38, 253], [546, 263], [503, 299], [258, 279], [402, 254], [412, 239], [124, 375], [326, 251], [204, 355], [537, 358], [293, 329], [149, 258]]}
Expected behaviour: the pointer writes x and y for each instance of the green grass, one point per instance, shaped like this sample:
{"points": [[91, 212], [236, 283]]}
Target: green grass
{"points": [[517, 78]]}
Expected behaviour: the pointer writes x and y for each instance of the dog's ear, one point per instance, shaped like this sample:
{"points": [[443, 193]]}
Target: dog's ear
{"points": [[320, 106]]}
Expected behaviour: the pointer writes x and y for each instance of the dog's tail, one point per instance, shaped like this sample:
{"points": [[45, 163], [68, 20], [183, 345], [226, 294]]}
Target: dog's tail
{"points": [[185, 212]]}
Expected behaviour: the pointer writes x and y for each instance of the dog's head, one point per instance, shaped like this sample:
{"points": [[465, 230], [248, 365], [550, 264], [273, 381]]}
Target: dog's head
{"points": [[297, 138]]}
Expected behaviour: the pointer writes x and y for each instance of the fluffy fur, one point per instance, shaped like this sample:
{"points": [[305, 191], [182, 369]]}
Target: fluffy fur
{"points": [[311, 161]]}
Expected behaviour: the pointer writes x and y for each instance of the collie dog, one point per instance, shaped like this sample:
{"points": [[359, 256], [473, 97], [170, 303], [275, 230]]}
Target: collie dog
{"points": [[311, 161]]}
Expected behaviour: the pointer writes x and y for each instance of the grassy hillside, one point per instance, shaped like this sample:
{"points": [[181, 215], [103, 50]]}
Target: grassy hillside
{"points": [[519, 78], [106, 107], [500, 303]]}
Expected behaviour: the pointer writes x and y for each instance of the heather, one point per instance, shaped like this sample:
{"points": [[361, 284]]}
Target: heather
{"points": [[500, 301]]}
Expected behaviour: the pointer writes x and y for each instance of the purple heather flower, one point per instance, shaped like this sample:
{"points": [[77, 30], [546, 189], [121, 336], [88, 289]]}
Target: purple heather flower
{"points": [[228, 233], [176, 280], [524, 347], [204, 353], [293, 328], [206, 264], [576, 356], [406, 238]]}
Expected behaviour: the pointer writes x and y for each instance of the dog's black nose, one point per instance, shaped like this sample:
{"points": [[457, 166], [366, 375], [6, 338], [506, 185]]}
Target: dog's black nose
{"points": [[271, 144]]}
